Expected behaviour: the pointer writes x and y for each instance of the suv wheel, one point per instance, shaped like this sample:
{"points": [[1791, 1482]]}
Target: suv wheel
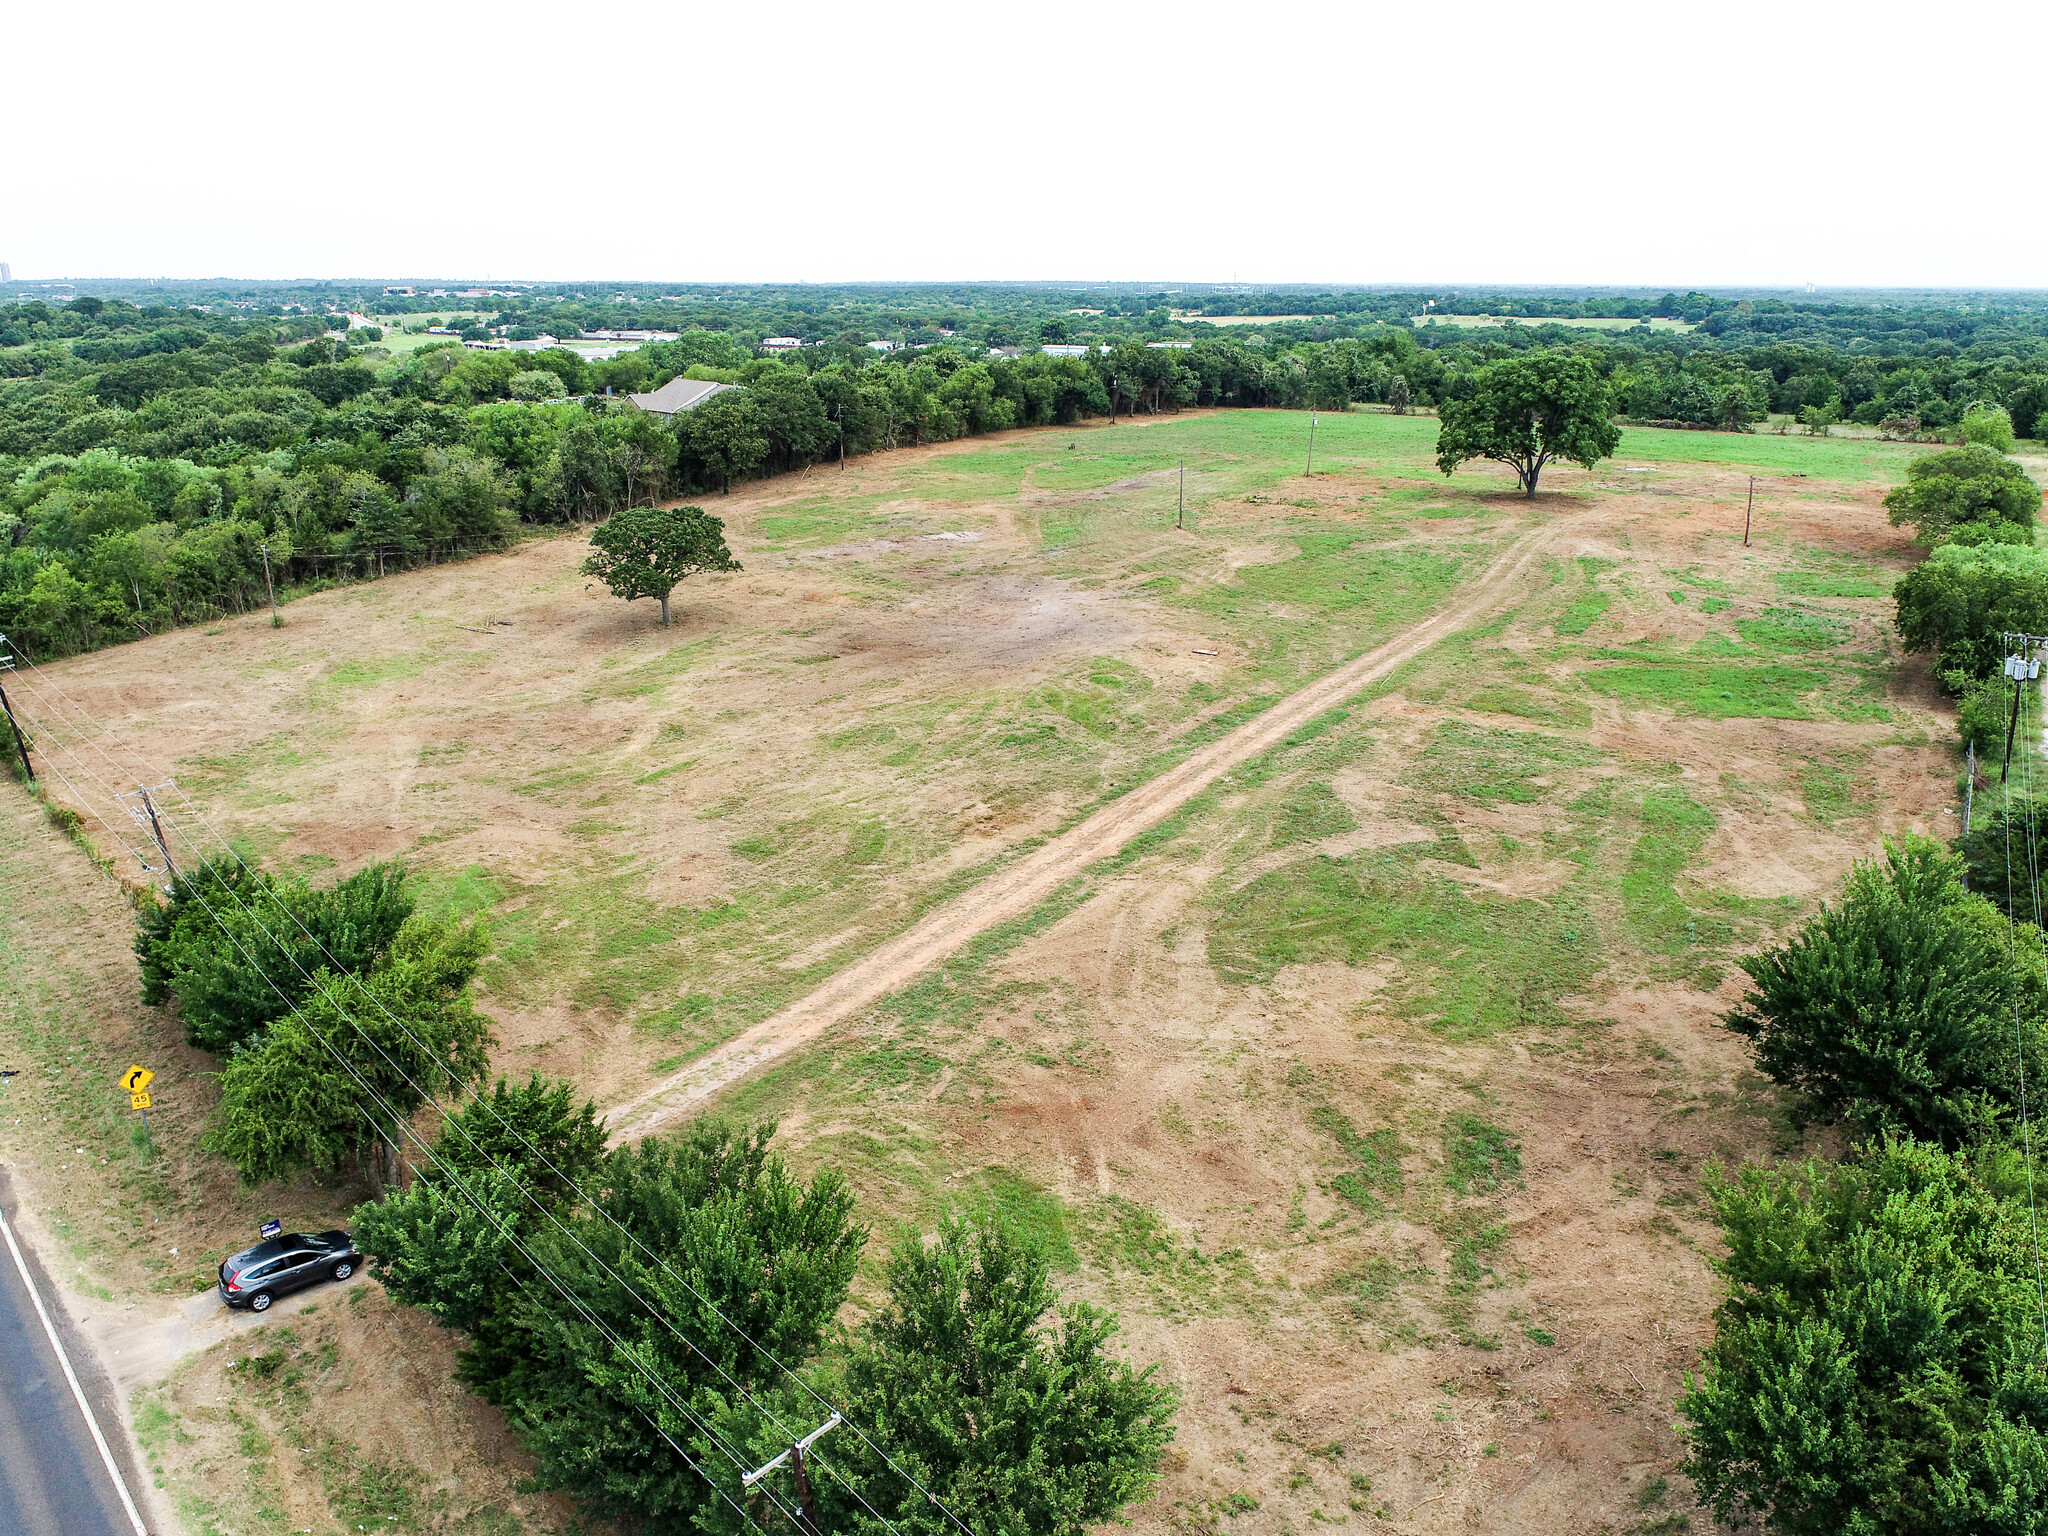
{"points": [[344, 1269], [260, 1302]]}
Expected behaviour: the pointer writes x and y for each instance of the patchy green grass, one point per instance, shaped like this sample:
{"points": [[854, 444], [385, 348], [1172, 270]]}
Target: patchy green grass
{"points": [[1583, 614], [1833, 584], [1310, 813], [1030, 1210], [1479, 1157], [1488, 765], [1845, 460], [1473, 962], [1376, 1175], [1829, 791], [1673, 826], [1793, 629], [1767, 692]]}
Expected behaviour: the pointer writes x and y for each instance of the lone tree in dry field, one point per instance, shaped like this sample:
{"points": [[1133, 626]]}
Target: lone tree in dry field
{"points": [[645, 551], [1526, 411]]}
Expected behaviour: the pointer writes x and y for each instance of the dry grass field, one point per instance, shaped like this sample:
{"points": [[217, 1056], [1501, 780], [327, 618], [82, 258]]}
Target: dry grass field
{"points": [[1372, 1077]]}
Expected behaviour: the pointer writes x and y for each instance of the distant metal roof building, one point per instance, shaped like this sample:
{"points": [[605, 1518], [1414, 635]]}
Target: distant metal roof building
{"points": [[1065, 349], [780, 343], [678, 395]]}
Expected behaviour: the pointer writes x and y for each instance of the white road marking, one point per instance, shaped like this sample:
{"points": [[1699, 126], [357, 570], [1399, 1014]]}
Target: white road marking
{"points": [[77, 1391]]}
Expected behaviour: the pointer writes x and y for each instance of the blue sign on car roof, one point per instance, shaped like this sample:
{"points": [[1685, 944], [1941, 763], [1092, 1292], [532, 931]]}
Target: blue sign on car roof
{"points": [[272, 1228]]}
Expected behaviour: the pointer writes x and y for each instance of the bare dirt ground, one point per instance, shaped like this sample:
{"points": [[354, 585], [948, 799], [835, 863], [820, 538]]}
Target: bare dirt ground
{"points": [[892, 735]]}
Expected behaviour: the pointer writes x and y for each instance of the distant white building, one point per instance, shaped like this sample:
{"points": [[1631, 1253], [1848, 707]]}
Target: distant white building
{"points": [[780, 343], [884, 346], [642, 336], [1168, 346], [399, 293], [678, 395], [1065, 349]]}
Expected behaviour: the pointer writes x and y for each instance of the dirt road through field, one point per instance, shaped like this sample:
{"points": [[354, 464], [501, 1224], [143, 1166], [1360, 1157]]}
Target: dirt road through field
{"points": [[1012, 892]]}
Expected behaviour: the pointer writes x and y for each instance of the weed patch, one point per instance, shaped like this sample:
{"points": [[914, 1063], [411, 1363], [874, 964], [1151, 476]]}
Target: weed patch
{"points": [[1769, 692], [1479, 1157], [1309, 814], [1823, 584], [1488, 765], [1674, 826], [1793, 629], [1472, 964], [1377, 1155]]}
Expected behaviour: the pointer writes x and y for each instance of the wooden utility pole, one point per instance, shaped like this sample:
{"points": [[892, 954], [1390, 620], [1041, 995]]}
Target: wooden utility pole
{"points": [[2022, 669], [20, 741], [1311, 445], [1180, 518], [1747, 510], [156, 830], [807, 1501], [269, 590]]}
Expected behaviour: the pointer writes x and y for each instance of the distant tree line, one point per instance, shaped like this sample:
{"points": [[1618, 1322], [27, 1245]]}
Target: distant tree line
{"points": [[153, 460]]}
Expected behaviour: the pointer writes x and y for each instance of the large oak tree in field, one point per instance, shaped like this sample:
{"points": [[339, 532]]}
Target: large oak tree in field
{"points": [[1527, 411], [645, 551]]}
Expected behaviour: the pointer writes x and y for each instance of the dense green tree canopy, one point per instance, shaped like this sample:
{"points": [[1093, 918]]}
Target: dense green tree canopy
{"points": [[329, 1085], [1970, 494], [237, 949], [646, 551], [1989, 426], [1960, 601], [724, 1241], [986, 1385], [1527, 412], [1876, 1368], [1906, 1007]]}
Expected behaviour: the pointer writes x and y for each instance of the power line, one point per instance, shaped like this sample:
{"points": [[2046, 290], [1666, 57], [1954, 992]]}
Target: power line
{"points": [[2021, 671], [400, 1123], [455, 1079], [399, 1120]]}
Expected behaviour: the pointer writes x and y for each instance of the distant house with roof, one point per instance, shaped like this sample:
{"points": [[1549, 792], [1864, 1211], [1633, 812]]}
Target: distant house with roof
{"points": [[678, 394]]}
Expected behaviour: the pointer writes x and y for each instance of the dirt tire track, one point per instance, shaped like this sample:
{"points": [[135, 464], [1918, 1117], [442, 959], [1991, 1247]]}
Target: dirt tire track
{"points": [[1015, 890]]}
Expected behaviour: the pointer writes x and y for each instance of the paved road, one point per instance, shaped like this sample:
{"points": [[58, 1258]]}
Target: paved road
{"points": [[53, 1475]]}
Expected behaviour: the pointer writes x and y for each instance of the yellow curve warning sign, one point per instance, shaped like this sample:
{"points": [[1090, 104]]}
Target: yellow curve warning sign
{"points": [[135, 1079]]}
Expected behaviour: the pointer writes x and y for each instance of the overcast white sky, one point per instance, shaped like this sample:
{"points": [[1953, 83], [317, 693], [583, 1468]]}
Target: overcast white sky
{"points": [[1577, 142]]}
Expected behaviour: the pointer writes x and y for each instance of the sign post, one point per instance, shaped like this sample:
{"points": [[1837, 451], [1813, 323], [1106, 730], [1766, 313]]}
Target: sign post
{"points": [[137, 1080]]}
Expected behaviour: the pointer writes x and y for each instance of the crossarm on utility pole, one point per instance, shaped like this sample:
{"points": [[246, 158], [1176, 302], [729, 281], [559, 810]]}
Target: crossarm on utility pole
{"points": [[748, 1479]]}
